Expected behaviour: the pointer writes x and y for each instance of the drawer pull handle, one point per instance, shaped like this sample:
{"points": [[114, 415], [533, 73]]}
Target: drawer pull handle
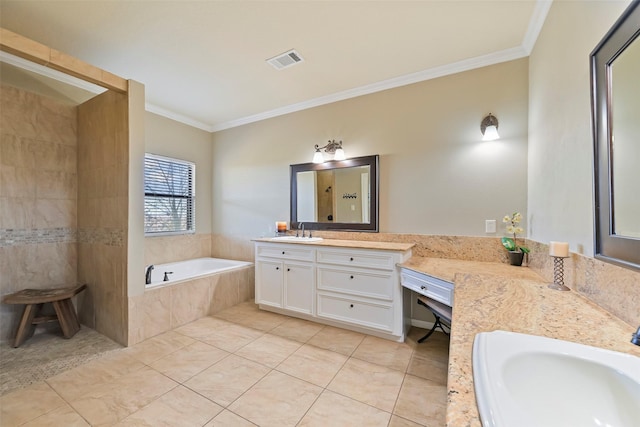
{"points": [[350, 277], [423, 287], [277, 268], [288, 269], [282, 252], [350, 305], [351, 259]]}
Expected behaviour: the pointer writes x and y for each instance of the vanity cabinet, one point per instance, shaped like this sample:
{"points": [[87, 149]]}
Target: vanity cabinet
{"points": [[354, 288], [286, 278], [358, 287]]}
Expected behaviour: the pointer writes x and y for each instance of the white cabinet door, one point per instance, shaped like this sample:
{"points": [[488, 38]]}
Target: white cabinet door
{"points": [[269, 282], [299, 280]]}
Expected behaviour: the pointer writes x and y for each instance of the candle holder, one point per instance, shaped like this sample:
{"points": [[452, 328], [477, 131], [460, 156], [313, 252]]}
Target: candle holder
{"points": [[558, 274]]}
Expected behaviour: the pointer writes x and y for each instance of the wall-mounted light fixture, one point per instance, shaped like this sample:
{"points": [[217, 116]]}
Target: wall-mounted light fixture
{"points": [[332, 147], [489, 128]]}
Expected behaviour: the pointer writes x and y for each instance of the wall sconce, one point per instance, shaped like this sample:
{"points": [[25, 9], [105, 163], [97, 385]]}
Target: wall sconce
{"points": [[489, 128], [332, 147]]}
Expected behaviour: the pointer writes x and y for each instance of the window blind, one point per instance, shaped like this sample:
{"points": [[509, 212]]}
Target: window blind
{"points": [[168, 195]]}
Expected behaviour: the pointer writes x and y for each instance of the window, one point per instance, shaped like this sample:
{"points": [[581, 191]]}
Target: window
{"points": [[168, 195]]}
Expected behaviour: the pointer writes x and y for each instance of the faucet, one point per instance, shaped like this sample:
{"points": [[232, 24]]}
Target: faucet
{"points": [[166, 275], [635, 338], [300, 226], [147, 275]]}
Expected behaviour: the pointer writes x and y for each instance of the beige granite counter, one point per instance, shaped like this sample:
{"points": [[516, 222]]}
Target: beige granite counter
{"points": [[355, 244], [491, 296], [446, 269]]}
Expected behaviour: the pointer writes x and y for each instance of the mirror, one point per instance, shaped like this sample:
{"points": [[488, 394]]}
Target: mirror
{"points": [[336, 195], [615, 67]]}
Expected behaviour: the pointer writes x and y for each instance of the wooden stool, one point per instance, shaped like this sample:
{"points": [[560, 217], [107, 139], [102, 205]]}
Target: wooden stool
{"points": [[34, 299]]}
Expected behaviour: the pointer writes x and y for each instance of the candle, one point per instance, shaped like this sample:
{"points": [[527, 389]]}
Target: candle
{"points": [[559, 249], [281, 226]]}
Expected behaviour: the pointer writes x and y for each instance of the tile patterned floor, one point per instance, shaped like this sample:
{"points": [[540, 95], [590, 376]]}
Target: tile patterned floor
{"points": [[246, 367]]}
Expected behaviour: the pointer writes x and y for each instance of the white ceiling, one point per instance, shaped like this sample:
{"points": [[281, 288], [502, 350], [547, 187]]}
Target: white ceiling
{"points": [[203, 62]]}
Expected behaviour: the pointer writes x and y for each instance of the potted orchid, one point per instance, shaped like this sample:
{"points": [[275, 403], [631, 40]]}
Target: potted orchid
{"points": [[516, 252]]}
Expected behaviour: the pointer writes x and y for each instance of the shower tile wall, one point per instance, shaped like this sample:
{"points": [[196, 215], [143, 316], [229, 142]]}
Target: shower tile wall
{"points": [[38, 196], [103, 144]]}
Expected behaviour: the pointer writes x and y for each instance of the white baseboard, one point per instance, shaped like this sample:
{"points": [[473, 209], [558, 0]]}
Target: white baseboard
{"points": [[421, 324]]}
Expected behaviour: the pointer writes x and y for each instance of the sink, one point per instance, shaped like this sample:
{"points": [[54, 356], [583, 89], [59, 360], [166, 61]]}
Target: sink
{"points": [[525, 380], [296, 239]]}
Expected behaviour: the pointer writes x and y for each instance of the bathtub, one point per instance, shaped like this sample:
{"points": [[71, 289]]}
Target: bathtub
{"points": [[192, 269]]}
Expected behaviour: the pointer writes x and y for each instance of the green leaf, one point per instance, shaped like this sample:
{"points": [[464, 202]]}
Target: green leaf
{"points": [[508, 243], [523, 249]]}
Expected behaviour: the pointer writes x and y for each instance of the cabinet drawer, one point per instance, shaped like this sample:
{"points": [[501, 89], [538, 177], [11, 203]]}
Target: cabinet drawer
{"points": [[431, 287], [354, 258], [354, 311], [356, 282], [285, 252]]}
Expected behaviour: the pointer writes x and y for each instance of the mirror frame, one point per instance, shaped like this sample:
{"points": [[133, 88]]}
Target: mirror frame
{"points": [[371, 161], [609, 247]]}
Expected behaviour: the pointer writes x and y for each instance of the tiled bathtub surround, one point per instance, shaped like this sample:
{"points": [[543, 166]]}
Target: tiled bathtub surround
{"points": [[160, 309], [164, 249], [38, 190]]}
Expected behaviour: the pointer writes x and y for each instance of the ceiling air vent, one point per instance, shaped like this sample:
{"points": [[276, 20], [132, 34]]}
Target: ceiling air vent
{"points": [[285, 60]]}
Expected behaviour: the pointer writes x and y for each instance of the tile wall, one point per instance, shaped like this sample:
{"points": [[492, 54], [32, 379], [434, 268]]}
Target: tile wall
{"points": [[103, 158], [164, 249], [38, 197], [163, 308]]}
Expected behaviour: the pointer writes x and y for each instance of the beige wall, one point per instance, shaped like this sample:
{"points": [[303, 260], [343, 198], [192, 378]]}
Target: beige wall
{"points": [[135, 216], [167, 137], [436, 176], [560, 138], [560, 158], [38, 197]]}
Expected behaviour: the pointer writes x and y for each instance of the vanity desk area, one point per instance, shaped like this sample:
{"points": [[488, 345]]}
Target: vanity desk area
{"points": [[492, 296]]}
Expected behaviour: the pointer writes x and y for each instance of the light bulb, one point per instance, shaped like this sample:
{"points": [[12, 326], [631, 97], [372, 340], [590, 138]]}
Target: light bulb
{"points": [[490, 133], [317, 157], [339, 154]]}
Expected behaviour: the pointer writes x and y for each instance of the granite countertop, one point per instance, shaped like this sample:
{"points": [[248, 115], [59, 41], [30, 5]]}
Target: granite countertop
{"points": [[446, 269], [491, 296], [355, 244]]}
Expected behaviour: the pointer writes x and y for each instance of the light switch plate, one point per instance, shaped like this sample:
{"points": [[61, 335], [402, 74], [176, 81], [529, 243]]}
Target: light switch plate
{"points": [[490, 226]]}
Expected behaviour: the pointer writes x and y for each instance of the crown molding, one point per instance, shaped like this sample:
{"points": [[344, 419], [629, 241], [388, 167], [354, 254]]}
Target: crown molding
{"points": [[540, 11], [152, 108], [407, 79]]}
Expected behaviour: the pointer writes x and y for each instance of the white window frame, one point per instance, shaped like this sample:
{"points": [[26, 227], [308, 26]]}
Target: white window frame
{"points": [[191, 199]]}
